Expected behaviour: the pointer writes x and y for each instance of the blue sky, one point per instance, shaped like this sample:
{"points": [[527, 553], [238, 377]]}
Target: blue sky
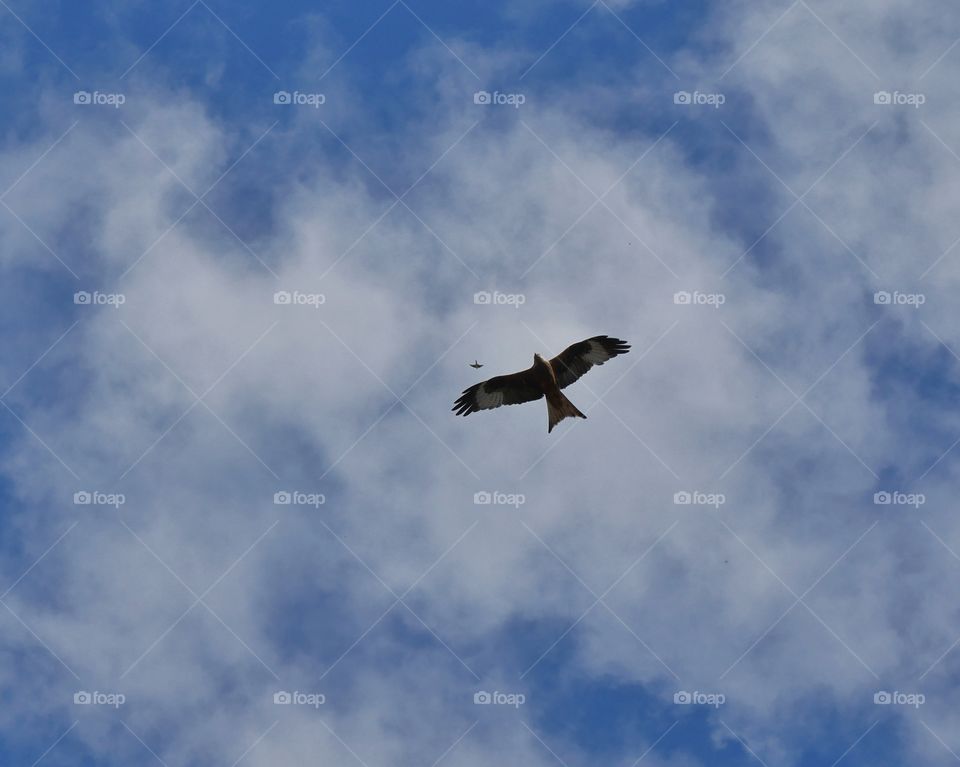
{"points": [[744, 154]]}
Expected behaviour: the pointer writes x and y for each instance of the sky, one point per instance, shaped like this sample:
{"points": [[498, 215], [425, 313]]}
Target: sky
{"points": [[248, 252]]}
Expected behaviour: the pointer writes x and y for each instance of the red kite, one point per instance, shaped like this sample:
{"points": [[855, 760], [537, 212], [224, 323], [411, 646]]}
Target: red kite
{"points": [[543, 379]]}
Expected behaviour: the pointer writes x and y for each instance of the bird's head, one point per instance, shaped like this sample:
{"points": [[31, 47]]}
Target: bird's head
{"points": [[538, 358]]}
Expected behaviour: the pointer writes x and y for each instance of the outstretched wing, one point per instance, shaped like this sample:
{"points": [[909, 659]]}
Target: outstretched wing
{"points": [[576, 360], [510, 389]]}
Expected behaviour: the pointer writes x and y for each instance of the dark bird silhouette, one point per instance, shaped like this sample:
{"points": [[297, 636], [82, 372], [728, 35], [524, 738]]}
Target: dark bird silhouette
{"points": [[545, 378], [476, 365]]}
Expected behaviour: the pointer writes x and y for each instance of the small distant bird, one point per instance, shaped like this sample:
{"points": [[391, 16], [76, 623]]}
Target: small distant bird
{"points": [[476, 365], [545, 378]]}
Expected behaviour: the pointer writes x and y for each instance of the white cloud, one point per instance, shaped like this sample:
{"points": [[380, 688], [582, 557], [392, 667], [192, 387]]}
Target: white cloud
{"points": [[697, 405]]}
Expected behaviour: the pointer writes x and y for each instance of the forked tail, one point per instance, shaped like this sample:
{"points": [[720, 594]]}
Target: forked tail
{"points": [[558, 408]]}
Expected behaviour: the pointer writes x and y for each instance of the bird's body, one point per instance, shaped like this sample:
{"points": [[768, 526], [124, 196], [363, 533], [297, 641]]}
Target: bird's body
{"points": [[558, 406], [476, 365], [545, 378]]}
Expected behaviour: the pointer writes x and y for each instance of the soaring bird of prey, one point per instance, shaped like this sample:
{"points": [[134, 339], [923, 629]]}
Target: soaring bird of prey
{"points": [[545, 378], [476, 365]]}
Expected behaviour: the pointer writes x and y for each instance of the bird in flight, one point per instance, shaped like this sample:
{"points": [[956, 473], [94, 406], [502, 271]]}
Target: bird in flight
{"points": [[545, 378], [476, 365]]}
